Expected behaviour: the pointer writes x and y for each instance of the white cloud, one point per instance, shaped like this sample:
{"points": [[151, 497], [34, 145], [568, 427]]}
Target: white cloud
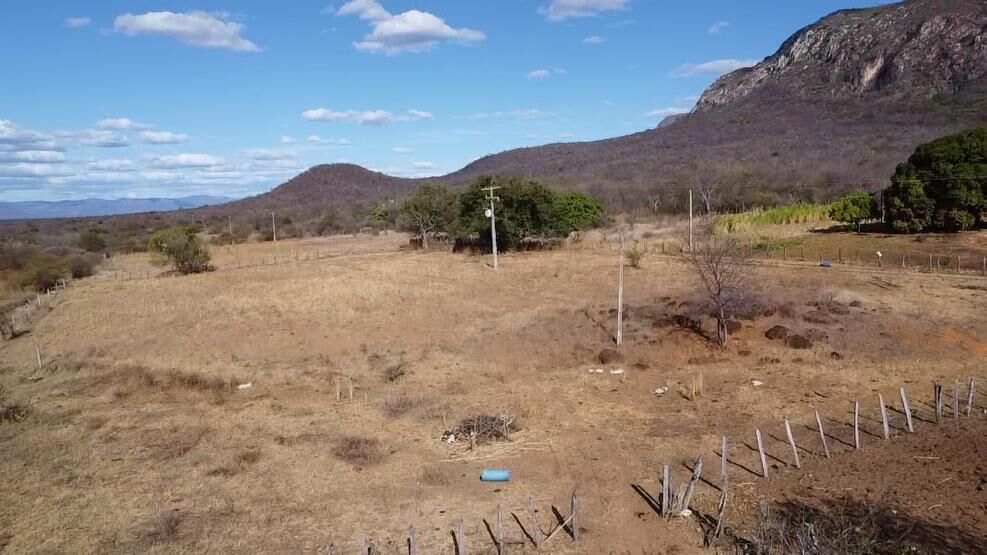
{"points": [[715, 67], [594, 39], [163, 137], [196, 28], [539, 74], [368, 117], [32, 156], [101, 139], [717, 27], [28, 169], [269, 154], [111, 165], [424, 166], [665, 112], [121, 124], [317, 140], [411, 31], [368, 10], [286, 140], [77, 22], [419, 114], [178, 161], [16, 139], [566, 135], [401, 150], [560, 10]]}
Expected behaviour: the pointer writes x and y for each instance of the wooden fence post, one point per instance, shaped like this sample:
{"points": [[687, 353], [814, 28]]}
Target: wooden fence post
{"points": [[822, 434], [856, 424], [536, 535], [956, 399], [462, 536], [760, 450], [884, 416], [666, 490], [907, 410], [937, 391], [791, 440], [969, 397], [412, 542], [574, 522], [723, 458]]}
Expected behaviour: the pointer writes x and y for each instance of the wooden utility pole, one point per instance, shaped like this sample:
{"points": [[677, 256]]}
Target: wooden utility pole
{"points": [[690, 220], [620, 295], [274, 227], [229, 222], [493, 221]]}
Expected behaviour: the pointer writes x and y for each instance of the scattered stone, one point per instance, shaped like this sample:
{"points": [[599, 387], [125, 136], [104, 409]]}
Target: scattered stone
{"points": [[757, 383], [798, 342], [856, 304], [835, 356], [617, 371], [247, 385], [661, 390], [776, 332], [607, 356]]}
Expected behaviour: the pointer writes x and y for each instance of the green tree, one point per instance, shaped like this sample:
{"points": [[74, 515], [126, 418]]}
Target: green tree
{"points": [[182, 248], [576, 212], [431, 209], [852, 209], [942, 186], [92, 241]]}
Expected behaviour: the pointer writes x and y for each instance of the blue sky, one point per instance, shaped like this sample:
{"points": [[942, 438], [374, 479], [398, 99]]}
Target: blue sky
{"points": [[133, 99]]}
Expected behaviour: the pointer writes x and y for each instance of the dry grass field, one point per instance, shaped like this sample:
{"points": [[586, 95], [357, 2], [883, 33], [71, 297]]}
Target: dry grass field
{"points": [[138, 436]]}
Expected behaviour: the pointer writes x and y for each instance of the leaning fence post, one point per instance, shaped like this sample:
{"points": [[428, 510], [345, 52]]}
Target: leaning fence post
{"points": [[884, 416], [760, 450], [822, 434], [536, 535], [37, 349], [908, 410], [791, 440], [969, 398]]}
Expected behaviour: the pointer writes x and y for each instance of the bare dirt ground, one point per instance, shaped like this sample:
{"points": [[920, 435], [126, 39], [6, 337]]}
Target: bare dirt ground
{"points": [[138, 439]]}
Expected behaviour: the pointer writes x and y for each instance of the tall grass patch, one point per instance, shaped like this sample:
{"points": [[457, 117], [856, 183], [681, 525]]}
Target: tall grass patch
{"points": [[801, 213]]}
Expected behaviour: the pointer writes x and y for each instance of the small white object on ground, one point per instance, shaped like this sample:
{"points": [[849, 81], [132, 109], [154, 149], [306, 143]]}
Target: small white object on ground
{"points": [[661, 390], [756, 383], [599, 370], [686, 513], [617, 371], [247, 385]]}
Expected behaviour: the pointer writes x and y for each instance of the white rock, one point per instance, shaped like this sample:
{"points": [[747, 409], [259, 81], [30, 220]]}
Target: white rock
{"points": [[661, 390], [247, 385], [617, 371], [756, 383]]}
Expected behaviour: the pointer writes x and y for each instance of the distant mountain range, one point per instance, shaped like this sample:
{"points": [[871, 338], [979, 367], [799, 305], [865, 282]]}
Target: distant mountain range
{"points": [[35, 210]]}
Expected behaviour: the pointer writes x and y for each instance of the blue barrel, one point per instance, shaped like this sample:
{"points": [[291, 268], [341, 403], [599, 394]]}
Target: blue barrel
{"points": [[492, 475]]}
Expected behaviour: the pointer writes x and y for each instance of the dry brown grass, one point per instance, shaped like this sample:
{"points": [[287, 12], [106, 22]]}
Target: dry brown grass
{"points": [[360, 451], [152, 407]]}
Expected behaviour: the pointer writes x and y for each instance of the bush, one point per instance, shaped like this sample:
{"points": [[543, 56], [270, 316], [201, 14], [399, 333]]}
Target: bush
{"points": [[83, 265], [182, 248], [576, 212], [43, 272], [92, 241], [634, 256]]}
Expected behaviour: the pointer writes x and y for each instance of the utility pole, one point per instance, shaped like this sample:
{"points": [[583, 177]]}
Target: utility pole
{"points": [[690, 220], [620, 295], [493, 221], [229, 220], [274, 228]]}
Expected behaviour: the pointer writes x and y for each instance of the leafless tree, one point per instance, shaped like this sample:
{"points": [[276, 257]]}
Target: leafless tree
{"points": [[707, 192], [654, 202], [723, 267]]}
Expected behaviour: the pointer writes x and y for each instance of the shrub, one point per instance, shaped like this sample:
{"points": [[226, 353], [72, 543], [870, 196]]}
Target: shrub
{"points": [[634, 256], [43, 272], [360, 451], [82, 265], [431, 209], [575, 212], [92, 241], [182, 248]]}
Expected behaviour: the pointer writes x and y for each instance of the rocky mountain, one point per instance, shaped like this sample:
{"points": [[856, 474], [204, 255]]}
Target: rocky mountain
{"points": [[910, 52]]}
